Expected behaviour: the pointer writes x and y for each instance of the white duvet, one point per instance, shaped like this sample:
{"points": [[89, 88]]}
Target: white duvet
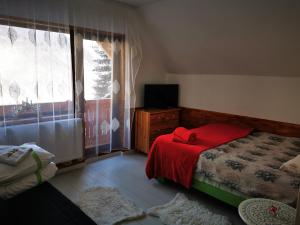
{"points": [[28, 166], [27, 182]]}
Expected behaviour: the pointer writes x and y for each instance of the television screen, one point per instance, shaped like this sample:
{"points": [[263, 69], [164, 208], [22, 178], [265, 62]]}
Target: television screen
{"points": [[161, 95]]}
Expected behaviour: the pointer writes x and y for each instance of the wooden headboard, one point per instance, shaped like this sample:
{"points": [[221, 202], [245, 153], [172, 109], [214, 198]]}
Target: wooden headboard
{"points": [[195, 117]]}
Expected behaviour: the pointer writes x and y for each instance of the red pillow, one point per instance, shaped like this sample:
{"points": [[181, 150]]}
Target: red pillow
{"points": [[183, 135]]}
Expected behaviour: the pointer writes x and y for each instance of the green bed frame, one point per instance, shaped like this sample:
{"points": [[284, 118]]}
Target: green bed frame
{"points": [[215, 192]]}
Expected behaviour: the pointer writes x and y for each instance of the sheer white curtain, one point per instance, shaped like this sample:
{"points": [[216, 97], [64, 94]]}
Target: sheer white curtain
{"points": [[107, 89], [67, 73], [111, 52], [36, 88], [36, 74]]}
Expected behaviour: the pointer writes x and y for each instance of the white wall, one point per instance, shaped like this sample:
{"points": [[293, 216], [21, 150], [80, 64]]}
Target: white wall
{"points": [[152, 68], [268, 97], [235, 56]]}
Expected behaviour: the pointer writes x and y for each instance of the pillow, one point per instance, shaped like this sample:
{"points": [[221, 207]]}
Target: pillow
{"points": [[183, 135], [292, 166], [38, 159]]}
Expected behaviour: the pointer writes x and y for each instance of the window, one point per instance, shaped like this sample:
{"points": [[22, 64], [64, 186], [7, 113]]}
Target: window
{"points": [[97, 71], [97, 92], [35, 74], [52, 72]]}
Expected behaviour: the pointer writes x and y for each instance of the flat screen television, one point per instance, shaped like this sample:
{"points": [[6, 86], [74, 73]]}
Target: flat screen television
{"points": [[161, 95]]}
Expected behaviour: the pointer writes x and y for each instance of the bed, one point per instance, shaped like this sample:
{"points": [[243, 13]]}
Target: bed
{"points": [[249, 167]]}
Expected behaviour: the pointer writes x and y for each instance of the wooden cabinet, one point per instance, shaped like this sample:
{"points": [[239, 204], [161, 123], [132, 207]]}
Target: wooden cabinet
{"points": [[149, 124]]}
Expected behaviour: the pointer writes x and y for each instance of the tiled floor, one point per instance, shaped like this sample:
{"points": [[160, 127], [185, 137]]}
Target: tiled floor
{"points": [[127, 174]]}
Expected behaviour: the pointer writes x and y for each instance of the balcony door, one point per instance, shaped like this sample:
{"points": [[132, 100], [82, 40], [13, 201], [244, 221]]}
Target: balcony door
{"points": [[106, 124], [97, 96]]}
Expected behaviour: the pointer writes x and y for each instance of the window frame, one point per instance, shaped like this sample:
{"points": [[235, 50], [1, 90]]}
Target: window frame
{"points": [[78, 107]]}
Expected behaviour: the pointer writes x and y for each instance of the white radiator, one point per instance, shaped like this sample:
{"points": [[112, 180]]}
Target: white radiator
{"points": [[63, 138]]}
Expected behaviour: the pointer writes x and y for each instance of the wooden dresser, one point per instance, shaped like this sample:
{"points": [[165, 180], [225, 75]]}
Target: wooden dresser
{"points": [[151, 123]]}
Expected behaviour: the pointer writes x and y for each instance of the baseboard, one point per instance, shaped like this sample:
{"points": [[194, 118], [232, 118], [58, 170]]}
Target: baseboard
{"points": [[93, 159], [129, 152], [70, 168], [96, 158]]}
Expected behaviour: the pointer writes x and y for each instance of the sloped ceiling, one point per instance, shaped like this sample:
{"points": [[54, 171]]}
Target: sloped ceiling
{"points": [[137, 3], [227, 37]]}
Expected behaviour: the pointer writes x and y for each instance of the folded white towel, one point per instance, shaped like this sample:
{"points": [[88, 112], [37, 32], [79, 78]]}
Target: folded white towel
{"points": [[14, 155], [30, 181], [37, 159]]}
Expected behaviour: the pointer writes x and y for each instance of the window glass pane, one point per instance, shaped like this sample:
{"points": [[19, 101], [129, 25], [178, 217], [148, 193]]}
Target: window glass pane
{"points": [[97, 95], [97, 71], [35, 70]]}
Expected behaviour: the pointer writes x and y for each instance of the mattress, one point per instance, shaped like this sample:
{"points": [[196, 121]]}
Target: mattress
{"points": [[249, 167]]}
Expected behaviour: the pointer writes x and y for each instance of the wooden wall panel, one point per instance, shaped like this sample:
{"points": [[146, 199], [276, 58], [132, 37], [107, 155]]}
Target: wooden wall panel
{"points": [[195, 117]]}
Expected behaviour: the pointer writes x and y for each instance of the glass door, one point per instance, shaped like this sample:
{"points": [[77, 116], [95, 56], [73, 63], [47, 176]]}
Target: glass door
{"points": [[97, 97]]}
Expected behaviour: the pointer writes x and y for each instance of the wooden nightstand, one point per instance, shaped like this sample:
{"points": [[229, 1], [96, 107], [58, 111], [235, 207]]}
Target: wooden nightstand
{"points": [[150, 123]]}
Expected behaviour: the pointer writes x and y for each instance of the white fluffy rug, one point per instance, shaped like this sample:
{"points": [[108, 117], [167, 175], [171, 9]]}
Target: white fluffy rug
{"points": [[181, 211], [106, 206]]}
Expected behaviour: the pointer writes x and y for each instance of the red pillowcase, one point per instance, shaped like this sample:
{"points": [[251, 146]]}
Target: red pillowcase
{"points": [[183, 135]]}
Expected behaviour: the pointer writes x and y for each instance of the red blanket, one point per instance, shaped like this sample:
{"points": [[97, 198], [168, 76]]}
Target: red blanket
{"points": [[177, 161]]}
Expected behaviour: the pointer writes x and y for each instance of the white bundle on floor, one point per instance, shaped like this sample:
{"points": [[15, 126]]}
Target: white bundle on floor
{"points": [[36, 160], [35, 168], [13, 155], [27, 182]]}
